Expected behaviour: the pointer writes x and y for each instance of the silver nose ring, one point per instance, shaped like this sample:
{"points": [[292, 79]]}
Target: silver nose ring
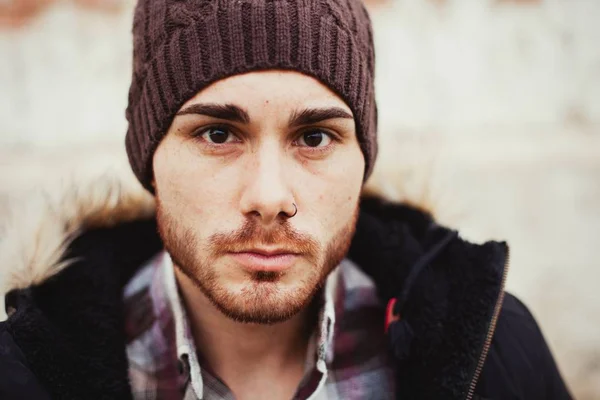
{"points": [[295, 211]]}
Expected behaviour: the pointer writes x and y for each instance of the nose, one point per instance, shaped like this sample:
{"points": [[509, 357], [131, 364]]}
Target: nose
{"points": [[267, 195]]}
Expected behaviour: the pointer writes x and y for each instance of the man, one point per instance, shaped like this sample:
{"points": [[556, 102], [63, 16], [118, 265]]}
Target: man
{"points": [[253, 124]]}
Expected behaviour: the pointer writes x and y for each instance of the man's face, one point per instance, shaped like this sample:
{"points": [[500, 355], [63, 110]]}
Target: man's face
{"points": [[236, 159]]}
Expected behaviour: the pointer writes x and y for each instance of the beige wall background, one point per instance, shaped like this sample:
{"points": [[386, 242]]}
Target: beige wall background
{"points": [[489, 112]]}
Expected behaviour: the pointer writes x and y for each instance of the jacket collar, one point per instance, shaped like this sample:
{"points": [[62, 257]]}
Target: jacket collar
{"points": [[447, 321], [69, 320]]}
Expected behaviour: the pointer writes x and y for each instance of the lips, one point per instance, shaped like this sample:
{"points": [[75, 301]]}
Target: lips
{"points": [[263, 260]]}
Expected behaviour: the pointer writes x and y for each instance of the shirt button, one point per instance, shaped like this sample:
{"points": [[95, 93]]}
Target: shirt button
{"points": [[321, 366]]}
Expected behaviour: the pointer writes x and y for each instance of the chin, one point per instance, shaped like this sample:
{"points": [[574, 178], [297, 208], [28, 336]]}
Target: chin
{"points": [[262, 302]]}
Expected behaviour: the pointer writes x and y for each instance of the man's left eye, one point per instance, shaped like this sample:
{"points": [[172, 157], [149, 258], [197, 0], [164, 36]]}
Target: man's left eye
{"points": [[314, 139]]}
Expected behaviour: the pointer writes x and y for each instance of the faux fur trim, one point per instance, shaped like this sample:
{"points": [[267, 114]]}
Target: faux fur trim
{"points": [[37, 231]]}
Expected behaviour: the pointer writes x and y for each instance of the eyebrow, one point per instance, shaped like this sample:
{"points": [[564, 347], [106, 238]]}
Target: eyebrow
{"points": [[228, 112], [231, 112], [311, 116]]}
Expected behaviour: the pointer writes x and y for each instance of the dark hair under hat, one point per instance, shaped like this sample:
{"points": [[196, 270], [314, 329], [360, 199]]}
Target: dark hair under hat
{"points": [[182, 46]]}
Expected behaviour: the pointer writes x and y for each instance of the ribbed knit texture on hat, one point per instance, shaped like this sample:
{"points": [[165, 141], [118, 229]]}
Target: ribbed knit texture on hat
{"points": [[181, 47]]}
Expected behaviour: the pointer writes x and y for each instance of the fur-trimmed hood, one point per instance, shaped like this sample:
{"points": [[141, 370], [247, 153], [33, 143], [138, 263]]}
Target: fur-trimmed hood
{"points": [[65, 258], [37, 230]]}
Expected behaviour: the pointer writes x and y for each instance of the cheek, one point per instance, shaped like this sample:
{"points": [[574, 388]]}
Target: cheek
{"points": [[187, 191], [345, 179], [336, 198], [175, 177], [337, 206]]}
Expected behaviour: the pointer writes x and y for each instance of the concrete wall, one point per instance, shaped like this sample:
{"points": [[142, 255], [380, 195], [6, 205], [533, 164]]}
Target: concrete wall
{"points": [[489, 111]]}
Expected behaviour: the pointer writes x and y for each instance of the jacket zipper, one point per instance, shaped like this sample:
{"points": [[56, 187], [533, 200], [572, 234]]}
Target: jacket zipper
{"points": [[490, 334]]}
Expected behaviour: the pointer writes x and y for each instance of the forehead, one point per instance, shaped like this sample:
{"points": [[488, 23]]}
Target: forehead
{"points": [[273, 89]]}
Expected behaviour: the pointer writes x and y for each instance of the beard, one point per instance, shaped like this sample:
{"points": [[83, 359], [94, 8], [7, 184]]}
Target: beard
{"points": [[263, 298]]}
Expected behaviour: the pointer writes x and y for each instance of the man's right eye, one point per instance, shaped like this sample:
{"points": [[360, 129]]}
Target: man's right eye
{"points": [[216, 135]]}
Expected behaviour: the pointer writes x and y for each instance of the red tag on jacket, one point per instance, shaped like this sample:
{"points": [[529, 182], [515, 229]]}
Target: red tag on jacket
{"points": [[389, 314]]}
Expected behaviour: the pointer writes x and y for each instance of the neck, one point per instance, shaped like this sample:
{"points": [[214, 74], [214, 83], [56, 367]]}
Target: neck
{"points": [[244, 354]]}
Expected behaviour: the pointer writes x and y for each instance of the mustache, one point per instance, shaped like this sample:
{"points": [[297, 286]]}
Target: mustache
{"points": [[253, 235]]}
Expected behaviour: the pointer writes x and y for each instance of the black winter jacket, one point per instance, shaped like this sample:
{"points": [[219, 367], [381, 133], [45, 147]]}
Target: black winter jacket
{"points": [[458, 336]]}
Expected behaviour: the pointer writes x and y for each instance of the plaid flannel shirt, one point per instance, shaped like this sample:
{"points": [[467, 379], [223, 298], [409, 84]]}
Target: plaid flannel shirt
{"points": [[347, 354]]}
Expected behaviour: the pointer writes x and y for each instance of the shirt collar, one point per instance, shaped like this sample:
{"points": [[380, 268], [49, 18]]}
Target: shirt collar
{"points": [[321, 342], [184, 341]]}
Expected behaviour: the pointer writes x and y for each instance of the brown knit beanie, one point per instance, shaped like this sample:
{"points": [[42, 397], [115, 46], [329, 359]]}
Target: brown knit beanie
{"points": [[182, 46]]}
